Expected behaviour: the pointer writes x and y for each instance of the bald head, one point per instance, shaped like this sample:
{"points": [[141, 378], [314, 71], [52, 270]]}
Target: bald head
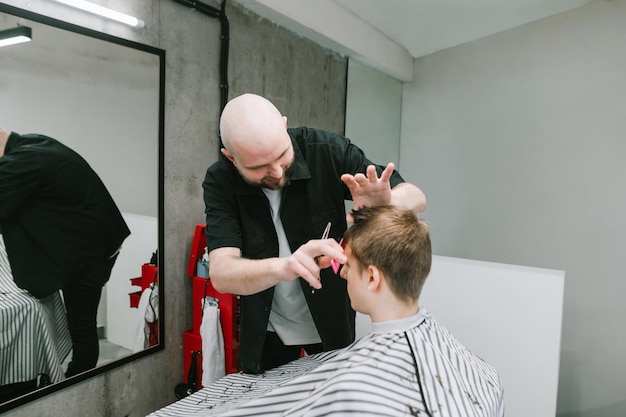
{"points": [[251, 123], [256, 141]]}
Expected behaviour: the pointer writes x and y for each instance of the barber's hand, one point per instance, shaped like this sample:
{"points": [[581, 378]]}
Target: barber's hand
{"points": [[309, 259], [369, 191]]}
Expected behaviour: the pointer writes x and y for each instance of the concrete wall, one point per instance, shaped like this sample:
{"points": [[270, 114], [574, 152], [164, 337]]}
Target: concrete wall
{"points": [[306, 82], [518, 142]]}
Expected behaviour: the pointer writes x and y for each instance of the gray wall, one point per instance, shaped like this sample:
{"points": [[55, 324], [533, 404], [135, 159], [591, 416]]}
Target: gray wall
{"points": [[80, 90], [518, 141], [307, 84], [373, 112]]}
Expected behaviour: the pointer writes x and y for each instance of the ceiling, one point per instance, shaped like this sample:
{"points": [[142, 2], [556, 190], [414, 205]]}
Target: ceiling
{"points": [[389, 34], [427, 26]]}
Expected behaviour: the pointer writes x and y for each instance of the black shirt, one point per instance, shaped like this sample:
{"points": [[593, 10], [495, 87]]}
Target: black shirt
{"points": [[238, 215], [57, 218]]}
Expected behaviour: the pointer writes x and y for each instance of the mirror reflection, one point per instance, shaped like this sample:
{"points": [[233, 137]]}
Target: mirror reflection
{"points": [[101, 99]]}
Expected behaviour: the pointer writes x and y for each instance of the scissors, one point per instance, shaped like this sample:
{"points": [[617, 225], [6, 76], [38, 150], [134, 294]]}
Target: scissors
{"points": [[326, 231], [335, 265], [324, 236]]}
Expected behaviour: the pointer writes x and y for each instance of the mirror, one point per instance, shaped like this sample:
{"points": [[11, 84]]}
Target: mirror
{"points": [[102, 96]]}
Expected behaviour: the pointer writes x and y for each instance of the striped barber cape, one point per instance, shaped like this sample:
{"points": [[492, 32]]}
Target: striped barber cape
{"points": [[34, 338], [407, 367]]}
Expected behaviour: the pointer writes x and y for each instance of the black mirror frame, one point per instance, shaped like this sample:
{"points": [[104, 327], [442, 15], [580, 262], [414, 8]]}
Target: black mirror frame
{"points": [[4, 8]]}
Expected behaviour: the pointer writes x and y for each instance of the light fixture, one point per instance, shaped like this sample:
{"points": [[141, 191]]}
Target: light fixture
{"points": [[104, 12], [15, 35]]}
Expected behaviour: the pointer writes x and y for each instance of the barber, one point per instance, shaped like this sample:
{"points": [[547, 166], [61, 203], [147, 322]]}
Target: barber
{"points": [[268, 200]]}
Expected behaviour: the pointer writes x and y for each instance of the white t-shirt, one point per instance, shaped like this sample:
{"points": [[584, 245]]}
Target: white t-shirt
{"points": [[290, 316]]}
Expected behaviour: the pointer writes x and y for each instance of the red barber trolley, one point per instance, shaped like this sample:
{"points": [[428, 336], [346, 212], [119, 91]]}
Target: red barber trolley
{"points": [[149, 276], [228, 305]]}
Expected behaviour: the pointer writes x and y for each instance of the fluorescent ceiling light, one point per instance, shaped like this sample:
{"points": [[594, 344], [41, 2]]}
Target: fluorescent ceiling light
{"points": [[15, 35], [104, 12]]}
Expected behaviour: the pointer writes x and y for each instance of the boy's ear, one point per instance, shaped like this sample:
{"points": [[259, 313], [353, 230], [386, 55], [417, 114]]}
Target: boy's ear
{"points": [[374, 278]]}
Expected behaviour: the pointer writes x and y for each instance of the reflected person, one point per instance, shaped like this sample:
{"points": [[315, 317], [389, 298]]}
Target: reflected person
{"points": [[268, 200], [62, 231]]}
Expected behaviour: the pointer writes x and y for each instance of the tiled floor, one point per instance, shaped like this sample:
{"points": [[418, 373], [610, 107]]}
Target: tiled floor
{"points": [[108, 352]]}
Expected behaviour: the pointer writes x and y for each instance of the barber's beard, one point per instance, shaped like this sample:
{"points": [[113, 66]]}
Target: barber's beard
{"points": [[272, 183]]}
